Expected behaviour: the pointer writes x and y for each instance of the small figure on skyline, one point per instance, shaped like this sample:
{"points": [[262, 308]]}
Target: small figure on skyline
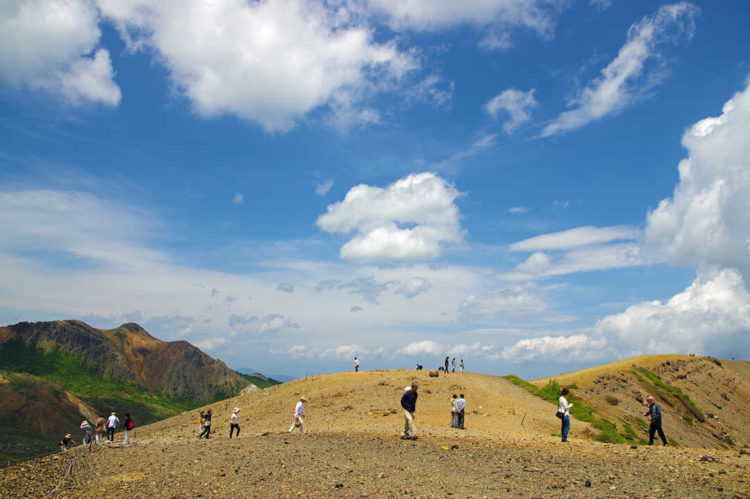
{"points": [[460, 411], [454, 364], [206, 424], [564, 407], [65, 442], [454, 417], [654, 416], [234, 423], [462, 365], [127, 426], [299, 413], [356, 365], [447, 361], [112, 422], [409, 405], [419, 366]]}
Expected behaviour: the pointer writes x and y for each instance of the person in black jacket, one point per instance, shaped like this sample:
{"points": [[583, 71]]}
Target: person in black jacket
{"points": [[409, 405], [654, 415], [206, 424]]}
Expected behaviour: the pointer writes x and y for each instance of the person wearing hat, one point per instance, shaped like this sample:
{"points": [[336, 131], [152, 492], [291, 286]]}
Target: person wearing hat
{"points": [[234, 423], [112, 422], [99, 429], [66, 440], [654, 415], [299, 412], [88, 438]]}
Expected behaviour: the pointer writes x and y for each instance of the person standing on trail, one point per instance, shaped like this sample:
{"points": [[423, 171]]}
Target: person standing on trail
{"points": [[111, 425], [454, 364], [460, 410], [447, 360], [454, 417], [356, 365], [88, 437], [299, 413], [654, 415], [127, 426], [206, 424], [564, 408], [409, 405], [462, 365], [99, 428], [234, 423]]}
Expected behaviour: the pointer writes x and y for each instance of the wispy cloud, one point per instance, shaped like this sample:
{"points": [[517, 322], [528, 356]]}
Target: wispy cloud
{"points": [[516, 103], [627, 79]]}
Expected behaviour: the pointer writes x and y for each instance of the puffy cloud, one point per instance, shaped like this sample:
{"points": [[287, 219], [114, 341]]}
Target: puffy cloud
{"points": [[579, 236], [414, 286], [626, 79], [266, 62], [516, 104], [52, 46], [706, 220], [513, 301], [586, 259], [238, 199], [712, 307], [411, 218], [574, 348], [426, 347]]}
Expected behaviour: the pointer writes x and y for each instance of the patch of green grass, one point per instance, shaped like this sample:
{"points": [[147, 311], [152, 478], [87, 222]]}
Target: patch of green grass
{"points": [[259, 382], [656, 381], [551, 393], [688, 421]]}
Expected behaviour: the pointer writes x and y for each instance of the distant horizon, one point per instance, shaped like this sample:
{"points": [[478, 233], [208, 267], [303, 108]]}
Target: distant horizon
{"points": [[534, 186]]}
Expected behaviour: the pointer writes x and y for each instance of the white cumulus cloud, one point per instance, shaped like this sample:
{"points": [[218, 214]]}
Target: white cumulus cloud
{"points": [[269, 62], [414, 286], [51, 45], [627, 78], [574, 348], [425, 347], [411, 218]]}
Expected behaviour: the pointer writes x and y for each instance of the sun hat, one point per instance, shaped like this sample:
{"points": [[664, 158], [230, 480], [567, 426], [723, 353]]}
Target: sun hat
{"points": [[303, 399], [236, 410], [113, 413], [67, 435]]}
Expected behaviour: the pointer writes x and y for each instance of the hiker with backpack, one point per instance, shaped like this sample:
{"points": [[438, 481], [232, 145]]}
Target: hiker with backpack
{"points": [[127, 426], [299, 412], [64, 442], [88, 437], [206, 424], [99, 428], [111, 425]]}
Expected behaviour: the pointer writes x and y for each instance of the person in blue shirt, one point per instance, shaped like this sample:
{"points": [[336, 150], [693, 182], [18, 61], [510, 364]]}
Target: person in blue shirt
{"points": [[654, 415], [409, 405]]}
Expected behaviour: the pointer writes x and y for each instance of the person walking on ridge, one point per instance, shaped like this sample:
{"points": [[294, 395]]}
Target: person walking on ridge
{"points": [[88, 437], [654, 416], [454, 364], [564, 408], [206, 424], [127, 426], [64, 442], [460, 411], [462, 365], [454, 417], [447, 361], [409, 405], [356, 365], [99, 428], [112, 422], [299, 413], [234, 423]]}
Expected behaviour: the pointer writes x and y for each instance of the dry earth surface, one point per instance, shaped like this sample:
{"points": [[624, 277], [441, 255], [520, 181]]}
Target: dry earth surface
{"points": [[352, 449]]}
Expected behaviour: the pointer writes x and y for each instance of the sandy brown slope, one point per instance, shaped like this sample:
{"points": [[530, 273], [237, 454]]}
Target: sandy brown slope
{"points": [[352, 450], [719, 388]]}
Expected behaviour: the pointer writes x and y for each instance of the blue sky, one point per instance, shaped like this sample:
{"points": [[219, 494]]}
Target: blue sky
{"points": [[531, 186]]}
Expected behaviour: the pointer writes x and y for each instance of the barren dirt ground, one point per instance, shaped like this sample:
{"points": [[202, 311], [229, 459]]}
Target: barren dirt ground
{"points": [[333, 465]]}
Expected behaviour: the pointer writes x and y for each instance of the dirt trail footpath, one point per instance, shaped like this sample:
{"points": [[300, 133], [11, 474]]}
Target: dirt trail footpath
{"points": [[374, 465]]}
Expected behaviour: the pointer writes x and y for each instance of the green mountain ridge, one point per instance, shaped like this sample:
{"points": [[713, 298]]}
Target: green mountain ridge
{"points": [[66, 371]]}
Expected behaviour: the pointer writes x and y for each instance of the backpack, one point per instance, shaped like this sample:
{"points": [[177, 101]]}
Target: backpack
{"points": [[131, 425], [560, 414]]}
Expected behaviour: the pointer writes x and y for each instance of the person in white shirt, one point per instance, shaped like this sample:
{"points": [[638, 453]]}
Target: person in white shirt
{"points": [[356, 365], [460, 410], [564, 408], [112, 422], [299, 412], [234, 423], [454, 416], [462, 365]]}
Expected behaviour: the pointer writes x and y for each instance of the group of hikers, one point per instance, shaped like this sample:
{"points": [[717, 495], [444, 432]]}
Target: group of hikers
{"points": [[448, 364], [97, 433], [204, 428]]}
